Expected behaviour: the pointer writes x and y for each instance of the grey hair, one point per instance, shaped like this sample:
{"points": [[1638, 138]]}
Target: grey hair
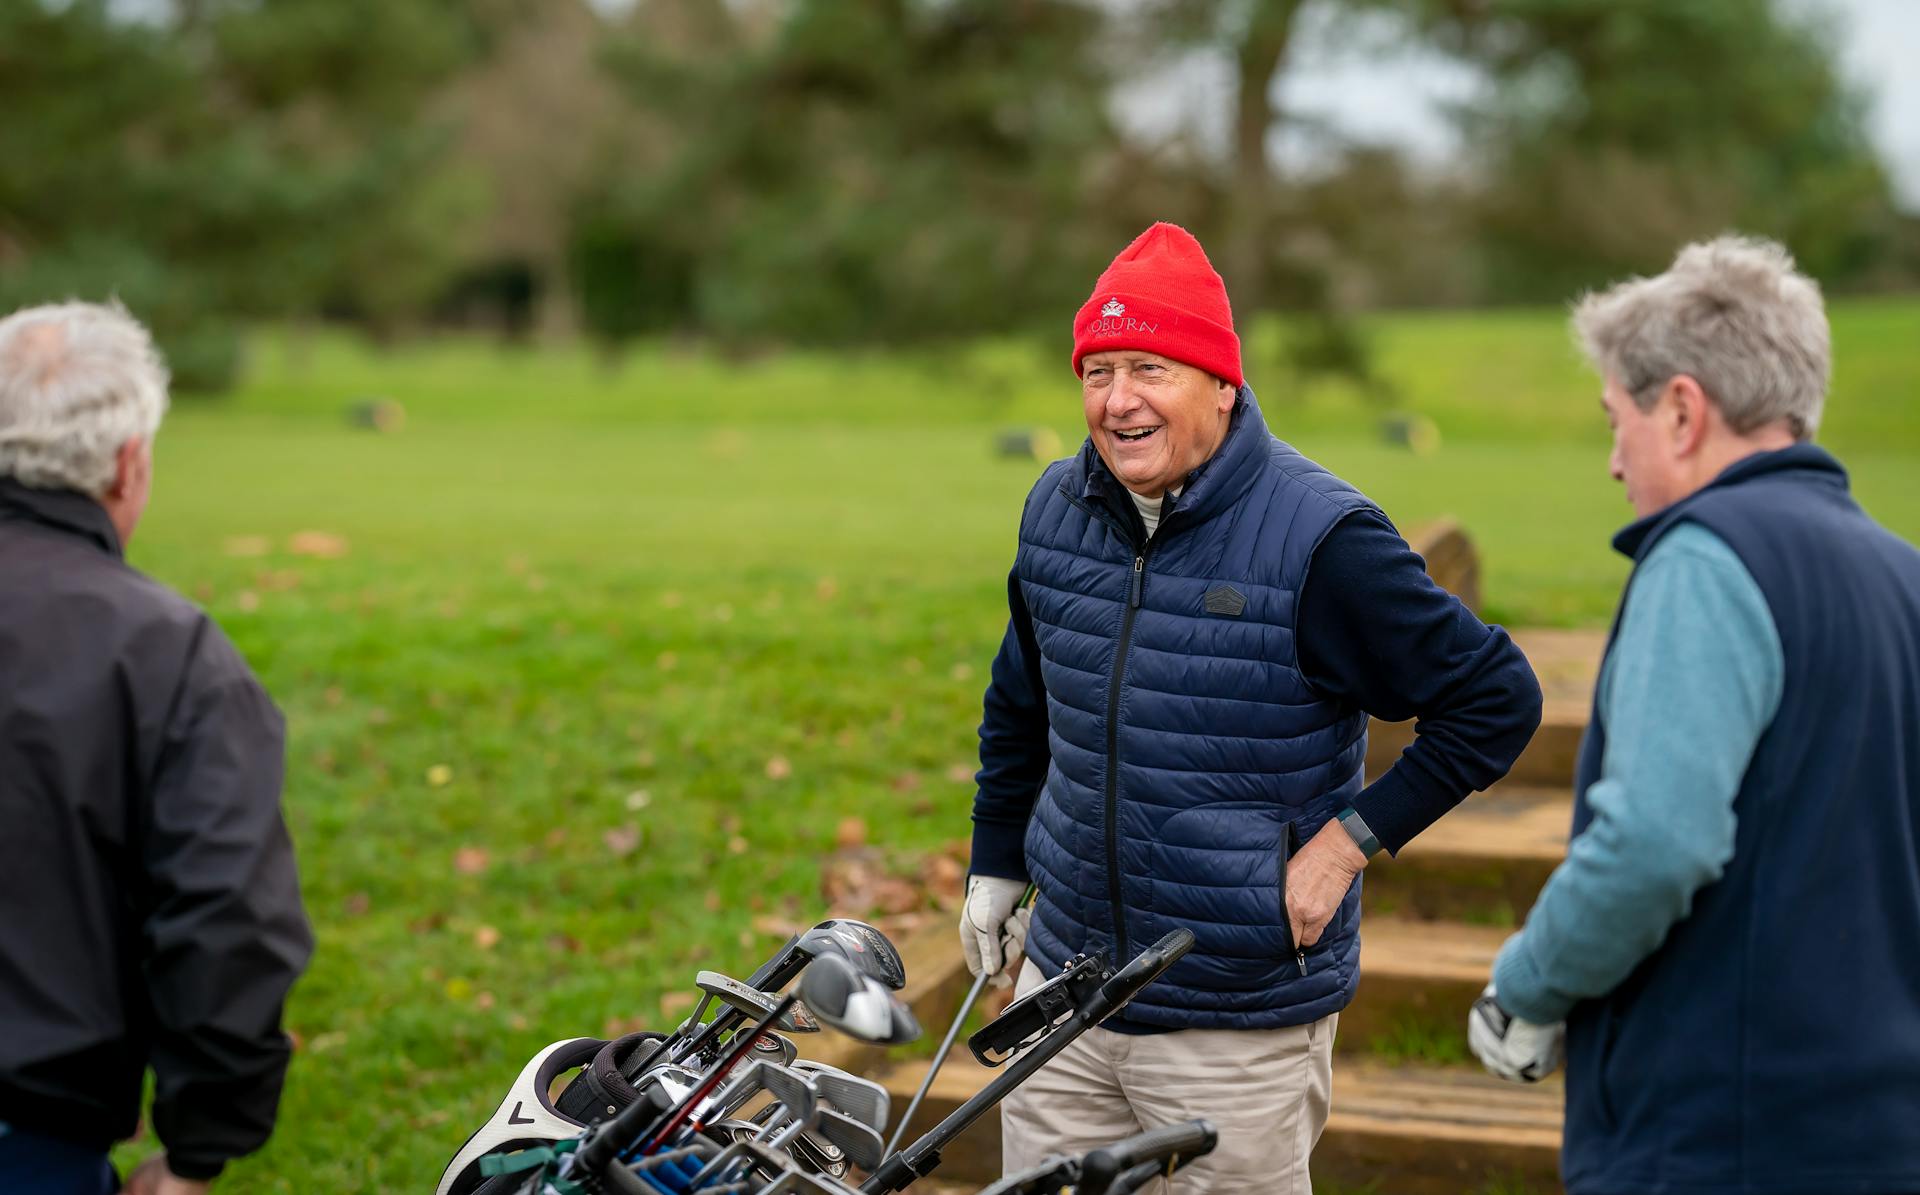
{"points": [[1732, 314], [77, 381]]}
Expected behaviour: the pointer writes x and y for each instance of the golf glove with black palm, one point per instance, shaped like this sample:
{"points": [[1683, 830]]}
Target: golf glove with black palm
{"points": [[1515, 1050], [992, 928]]}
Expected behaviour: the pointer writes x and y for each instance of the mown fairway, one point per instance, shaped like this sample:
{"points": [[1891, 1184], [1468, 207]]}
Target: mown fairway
{"points": [[609, 653]]}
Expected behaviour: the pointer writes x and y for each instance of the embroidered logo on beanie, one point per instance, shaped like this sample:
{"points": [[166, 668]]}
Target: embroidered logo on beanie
{"points": [[1114, 309]]}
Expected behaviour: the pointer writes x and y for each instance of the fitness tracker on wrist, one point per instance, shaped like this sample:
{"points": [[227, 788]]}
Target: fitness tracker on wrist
{"points": [[1357, 829]]}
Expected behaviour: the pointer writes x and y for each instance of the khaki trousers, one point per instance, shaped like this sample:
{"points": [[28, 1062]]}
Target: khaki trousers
{"points": [[1266, 1090]]}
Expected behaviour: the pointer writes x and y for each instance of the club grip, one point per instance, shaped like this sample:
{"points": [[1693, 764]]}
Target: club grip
{"points": [[1155, 1147], [1147, 966]]}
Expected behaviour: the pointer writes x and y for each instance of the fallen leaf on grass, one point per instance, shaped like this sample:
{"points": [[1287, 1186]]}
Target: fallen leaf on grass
{"points": [[906, 782], [439, 775], [247, 545], [470, 860], [891, 894], [778, 768], [737, 845], [322, 544], [946, 879], [960, 773], [248, 601], [486, 937], [358, 904], [851, 832], [563, 944], [622, 841], [639, 799], [677, 1004]]}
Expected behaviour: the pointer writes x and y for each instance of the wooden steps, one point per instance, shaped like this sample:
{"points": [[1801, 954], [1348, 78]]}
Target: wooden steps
{"points": [[1483, 863], [1416, 980], [1438, 1131]]}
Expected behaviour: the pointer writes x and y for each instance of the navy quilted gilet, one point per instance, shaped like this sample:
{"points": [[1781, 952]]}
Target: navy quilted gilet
{"points": [[1189, 755]]}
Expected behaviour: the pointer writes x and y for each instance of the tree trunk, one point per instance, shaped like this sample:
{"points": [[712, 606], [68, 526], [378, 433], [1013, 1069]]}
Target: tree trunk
{"points": [[1250, 248]]}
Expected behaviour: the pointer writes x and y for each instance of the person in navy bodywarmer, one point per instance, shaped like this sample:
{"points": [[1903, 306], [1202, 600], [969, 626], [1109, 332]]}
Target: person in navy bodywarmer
{"points": [[1731, 950], [1201, 621]]}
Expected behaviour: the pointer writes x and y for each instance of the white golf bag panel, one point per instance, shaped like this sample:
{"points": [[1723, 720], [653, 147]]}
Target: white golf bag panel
{"points": [[527, 1116]]}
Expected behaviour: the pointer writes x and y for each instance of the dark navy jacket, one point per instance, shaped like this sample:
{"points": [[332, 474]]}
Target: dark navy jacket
{"points": [[1178, 663], [1771, 1046]]}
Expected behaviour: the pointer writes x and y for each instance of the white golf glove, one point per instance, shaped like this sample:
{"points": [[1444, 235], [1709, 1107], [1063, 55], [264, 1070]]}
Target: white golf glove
{"points": [[992, 931], [1515, 1050]]}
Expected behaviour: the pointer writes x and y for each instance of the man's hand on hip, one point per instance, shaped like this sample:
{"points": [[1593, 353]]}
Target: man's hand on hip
{"points": [[1318, 877], [992, 930], [152, 1177], [1515, 1050]]}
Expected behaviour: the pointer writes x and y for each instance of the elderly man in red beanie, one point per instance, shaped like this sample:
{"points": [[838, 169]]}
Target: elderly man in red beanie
{"points": [[1202, 620]]}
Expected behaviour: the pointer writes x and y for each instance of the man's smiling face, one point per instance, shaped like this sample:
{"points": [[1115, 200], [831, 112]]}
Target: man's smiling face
{"points": [[1153, 420]]}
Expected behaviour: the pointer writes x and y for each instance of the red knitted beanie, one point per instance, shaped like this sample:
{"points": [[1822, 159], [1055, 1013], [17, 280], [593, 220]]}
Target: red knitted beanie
{"points": [[1162, 296]]}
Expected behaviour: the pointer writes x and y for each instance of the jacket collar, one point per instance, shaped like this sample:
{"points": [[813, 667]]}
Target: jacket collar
{"points": [[1215, 486], [64, 510], [1817, 465]]}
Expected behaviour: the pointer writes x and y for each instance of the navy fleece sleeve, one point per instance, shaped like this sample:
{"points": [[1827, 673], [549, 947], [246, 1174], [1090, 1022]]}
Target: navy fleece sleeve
{"points": [[1376, 632], [1013, 747]]}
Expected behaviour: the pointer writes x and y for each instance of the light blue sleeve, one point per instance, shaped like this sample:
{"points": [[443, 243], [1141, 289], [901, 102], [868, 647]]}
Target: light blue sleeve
{"points": [[1692, 682]]}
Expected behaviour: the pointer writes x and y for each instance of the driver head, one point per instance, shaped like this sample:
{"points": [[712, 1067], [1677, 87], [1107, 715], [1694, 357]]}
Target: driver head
{"points": [[856, 1004], [863, 947]]}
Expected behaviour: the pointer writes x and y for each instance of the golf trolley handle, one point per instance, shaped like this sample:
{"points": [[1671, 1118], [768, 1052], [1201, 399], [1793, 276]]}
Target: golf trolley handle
{"points": [[920, 1158], [1147, 966], [1159, 1150]]}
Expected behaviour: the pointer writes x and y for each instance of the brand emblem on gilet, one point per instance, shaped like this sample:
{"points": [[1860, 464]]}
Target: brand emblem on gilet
{"points": [[514, 1116], [1225, 599]]}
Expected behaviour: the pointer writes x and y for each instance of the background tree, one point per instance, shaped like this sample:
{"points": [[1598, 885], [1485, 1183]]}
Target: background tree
{"points": [[1617, 131]]}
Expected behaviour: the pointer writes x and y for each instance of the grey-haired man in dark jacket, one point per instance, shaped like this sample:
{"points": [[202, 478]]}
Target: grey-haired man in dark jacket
{"points": [[150, 915]]}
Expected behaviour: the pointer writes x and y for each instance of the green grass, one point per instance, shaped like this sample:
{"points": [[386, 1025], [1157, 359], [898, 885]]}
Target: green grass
{"points": [[664, 623], [1421, 1040]]}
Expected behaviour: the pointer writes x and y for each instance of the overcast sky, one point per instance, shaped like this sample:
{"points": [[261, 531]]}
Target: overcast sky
{"points": [[1365, 83]]}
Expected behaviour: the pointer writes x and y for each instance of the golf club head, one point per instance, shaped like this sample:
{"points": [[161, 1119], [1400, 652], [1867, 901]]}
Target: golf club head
{"points": [[861, 945], [861, 1143], [856, 1004], [776, 1049], [730, 1130], [795, 1093], [862, 1099], [753, 1002], [818, 1154]]}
